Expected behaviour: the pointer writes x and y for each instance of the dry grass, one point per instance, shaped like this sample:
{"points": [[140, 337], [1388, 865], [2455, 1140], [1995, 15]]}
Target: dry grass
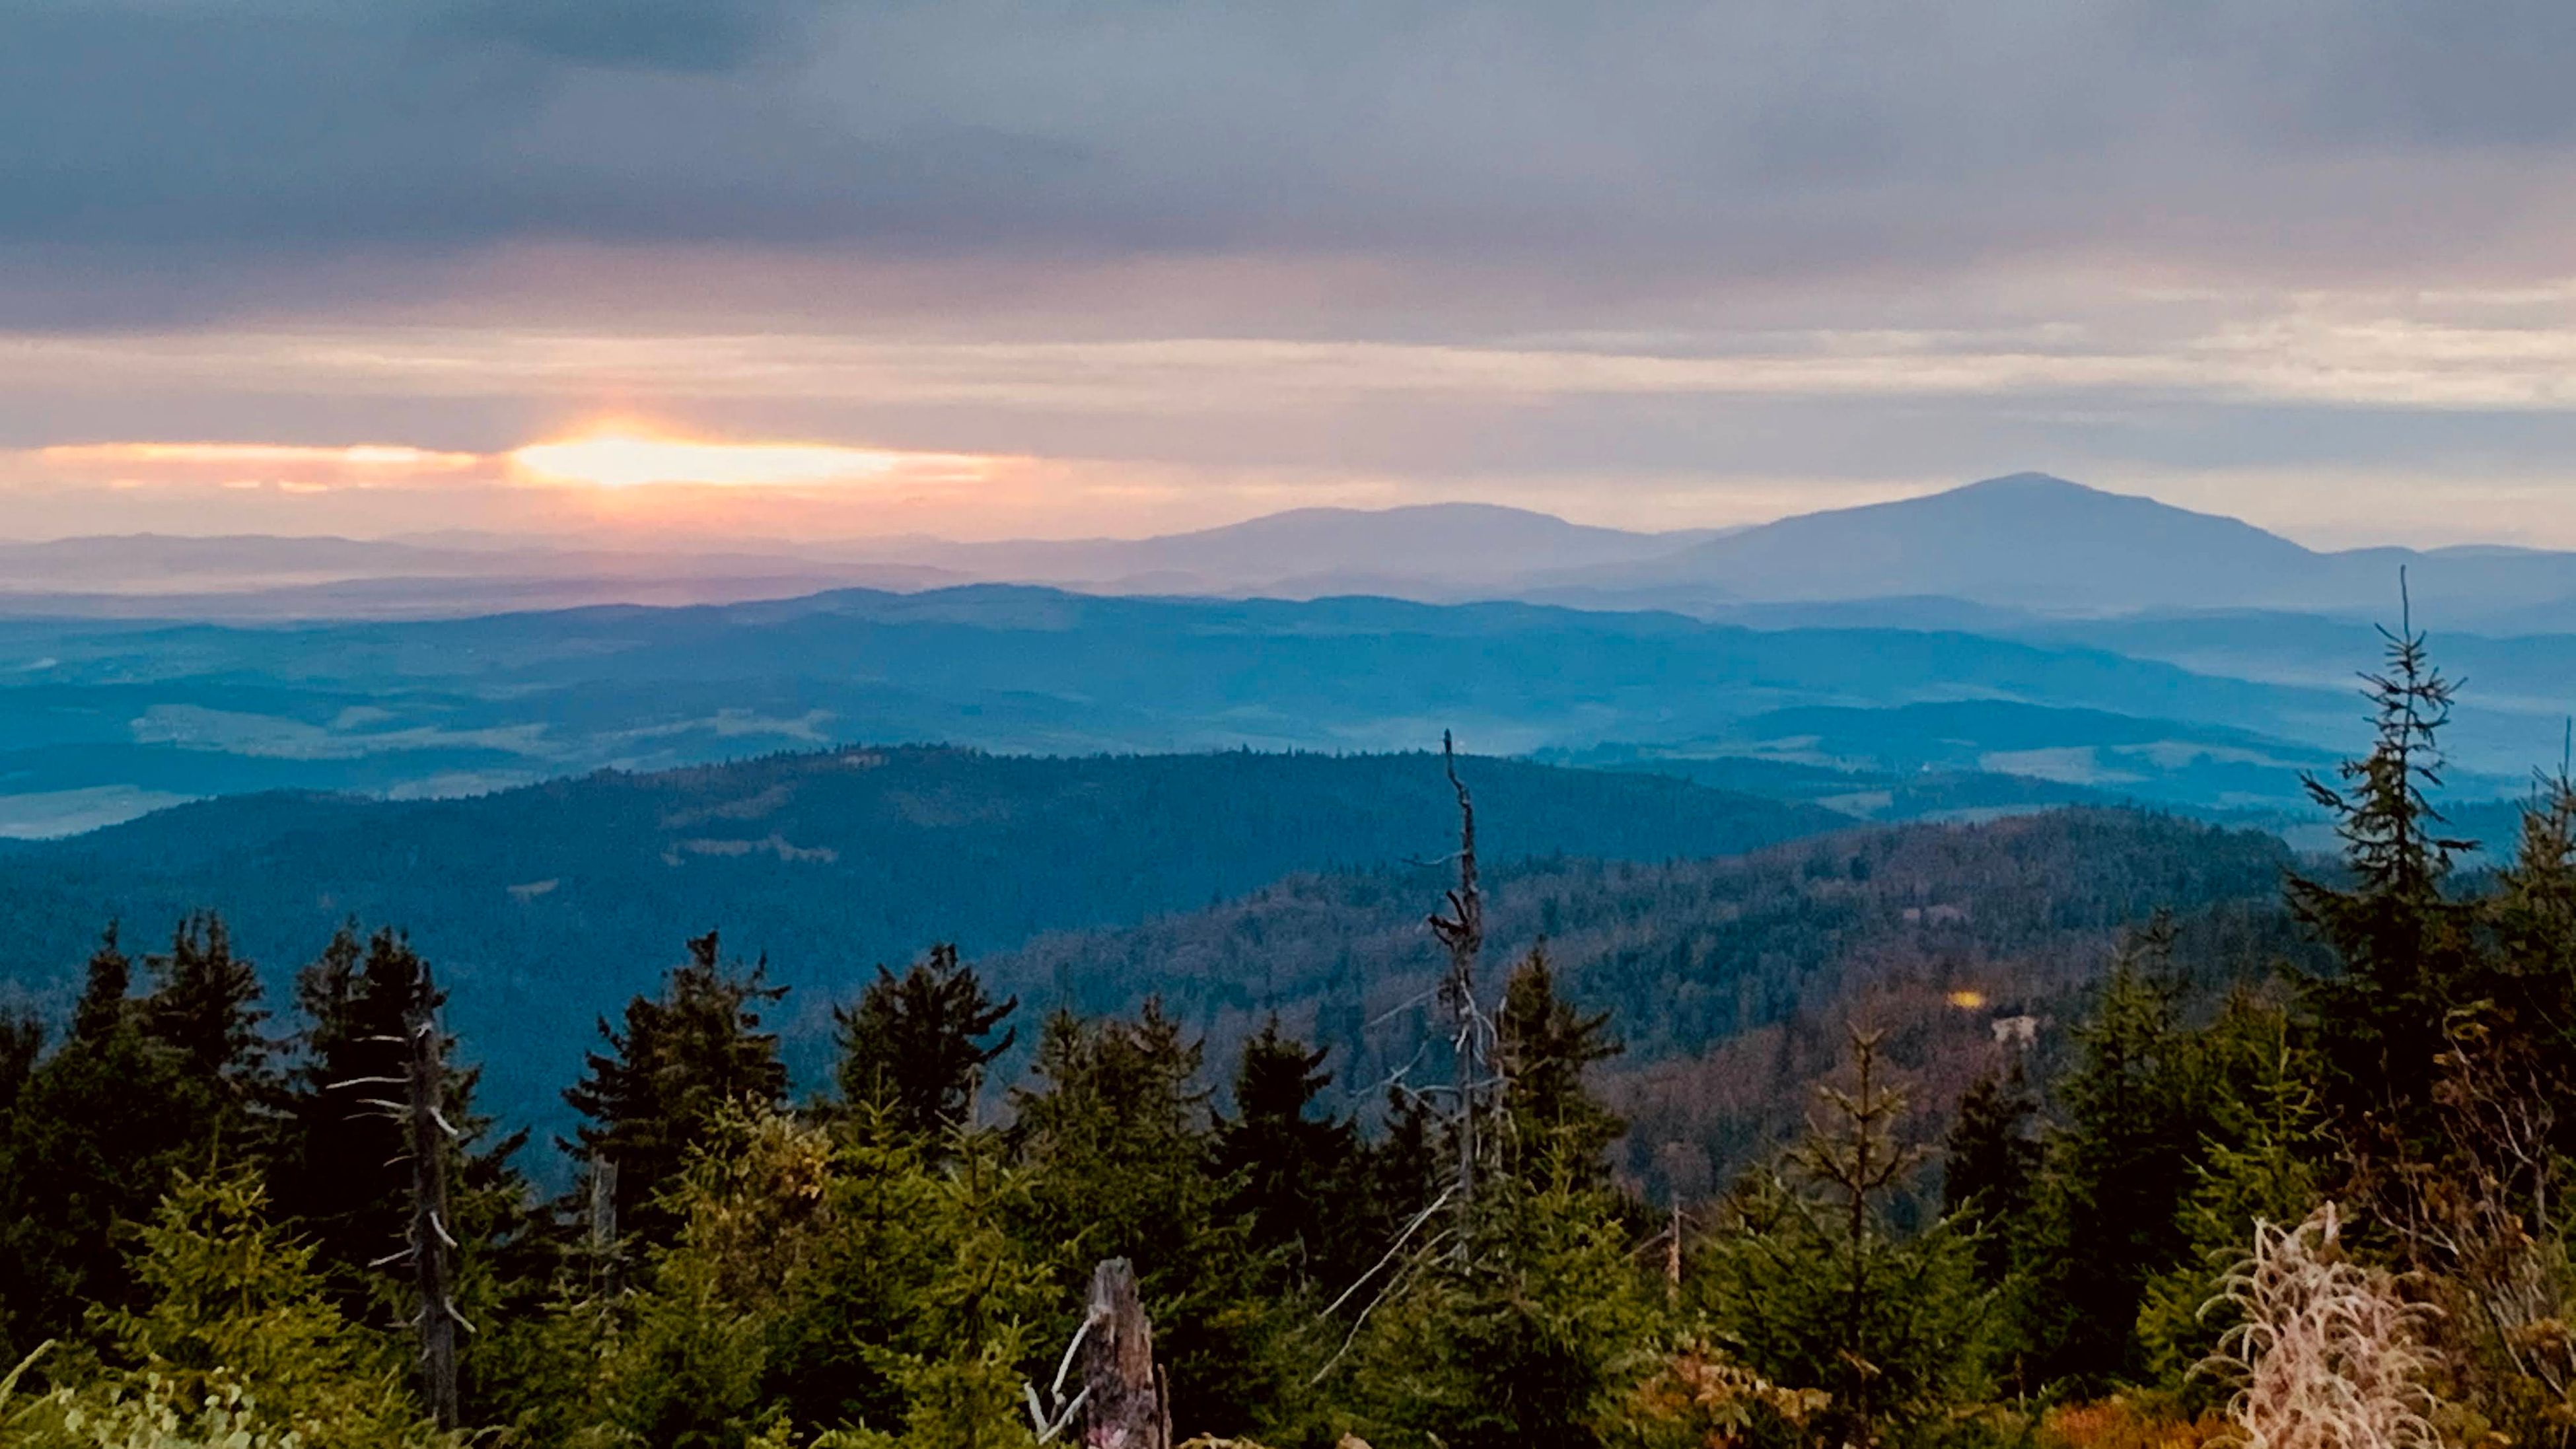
{"points": [[2328, 1354]]}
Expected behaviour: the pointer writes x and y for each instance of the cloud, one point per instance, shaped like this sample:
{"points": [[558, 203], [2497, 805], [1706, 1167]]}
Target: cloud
{"points": [[1652, 262], [1679, 144], [674, 35], [227, 459]]}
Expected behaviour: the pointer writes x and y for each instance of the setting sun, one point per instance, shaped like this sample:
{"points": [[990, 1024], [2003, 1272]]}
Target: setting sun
{"points": [[630, 457]]}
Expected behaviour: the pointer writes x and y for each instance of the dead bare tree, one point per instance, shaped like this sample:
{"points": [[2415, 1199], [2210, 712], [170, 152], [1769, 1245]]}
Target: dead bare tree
{"points": [[1124, 1401], [1413, 1252], [429, 1247], [1128, 1408], [602, 1237], [433, 1247], [1462, 931]]}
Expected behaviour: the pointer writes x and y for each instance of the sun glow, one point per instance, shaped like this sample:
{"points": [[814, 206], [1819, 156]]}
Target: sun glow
{"points": [[625, 457]]}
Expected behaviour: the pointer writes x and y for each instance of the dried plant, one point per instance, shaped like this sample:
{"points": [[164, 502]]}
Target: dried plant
{"points": [[2121, 1422], [1696, 1396], [2327, 1354]]}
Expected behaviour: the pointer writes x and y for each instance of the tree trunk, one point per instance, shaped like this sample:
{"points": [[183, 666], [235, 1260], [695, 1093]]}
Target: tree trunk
{"points": [[1126, 1408], [431, 1243]]}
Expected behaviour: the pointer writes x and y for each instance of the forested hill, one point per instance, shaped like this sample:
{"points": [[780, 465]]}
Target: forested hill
{"points": [[546, 906], [1731, 980]]}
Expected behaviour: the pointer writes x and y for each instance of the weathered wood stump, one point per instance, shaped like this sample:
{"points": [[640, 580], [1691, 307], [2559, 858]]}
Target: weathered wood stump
{"points": [[1126, 1407]]}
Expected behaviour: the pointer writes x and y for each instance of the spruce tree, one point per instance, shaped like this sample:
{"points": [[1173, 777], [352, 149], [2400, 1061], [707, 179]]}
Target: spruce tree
{"points": [[140, 1088], [1991, 1164], [2135, 1110], [1405, 1166], [2530, 978], [2406, 951], [22, 1041], [230, 1301], [2262, 1157], [1530, 1342], [204, 1007], [341, 1177], [915, 1046], [1119, 1138], [1293, 1176], [1543, 1046], [1815, 1285], [683, 1057]]}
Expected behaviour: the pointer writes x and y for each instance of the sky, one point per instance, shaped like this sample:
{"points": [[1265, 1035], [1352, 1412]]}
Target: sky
{"points": [[795, 268]]}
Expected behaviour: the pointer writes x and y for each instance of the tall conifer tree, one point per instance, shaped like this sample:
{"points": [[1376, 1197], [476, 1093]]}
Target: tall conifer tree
{"points": [[1991, 1164], [1293, 1173], [682, 1058], [1543, 1046], [141, 1088], [340, 1175], [2406, 951], [915, 1045]]}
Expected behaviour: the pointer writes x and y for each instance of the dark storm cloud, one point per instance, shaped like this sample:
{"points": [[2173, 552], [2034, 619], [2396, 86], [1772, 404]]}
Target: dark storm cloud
{"points": [[1780, 138]]}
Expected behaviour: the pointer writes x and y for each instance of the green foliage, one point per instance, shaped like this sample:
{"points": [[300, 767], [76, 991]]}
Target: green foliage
{"points": [[2405, 950], [1694, 1395], [233, 1317], [2135, 1110], [819, 859], [915, 1047], [2259, 1162], [1543, 1046], [684, 1059], [1530, 1338], [22, 1041], [884, 1270], [204, 1008], [1120, 1141], [140, 1088], [819, 1280], [342, 1172], [1814, 1287], [156, 1414], [1991, 1165], [1294, 1178], [921, 1293], [1527, 1323]]}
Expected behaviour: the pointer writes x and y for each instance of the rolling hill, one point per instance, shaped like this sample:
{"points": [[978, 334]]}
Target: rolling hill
{"points": [[546, 905], [149, 715], [1733, 979]]}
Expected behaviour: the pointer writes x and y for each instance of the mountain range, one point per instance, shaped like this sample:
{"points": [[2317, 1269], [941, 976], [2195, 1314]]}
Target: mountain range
{"points": [[2028, 543], [2002, 646], [2042, 544]]}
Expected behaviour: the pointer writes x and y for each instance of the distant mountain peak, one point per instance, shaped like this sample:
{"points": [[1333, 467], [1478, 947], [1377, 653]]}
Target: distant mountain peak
{"points": [[2031, 483]]}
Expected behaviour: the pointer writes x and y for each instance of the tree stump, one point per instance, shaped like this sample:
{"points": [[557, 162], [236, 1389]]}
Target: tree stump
{"points": [[1126, 1407]]}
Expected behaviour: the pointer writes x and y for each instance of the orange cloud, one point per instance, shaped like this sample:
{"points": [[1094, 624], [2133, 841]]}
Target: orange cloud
{"points": [[625, 457], [244, 467], [613, 456], [257, 455]]}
